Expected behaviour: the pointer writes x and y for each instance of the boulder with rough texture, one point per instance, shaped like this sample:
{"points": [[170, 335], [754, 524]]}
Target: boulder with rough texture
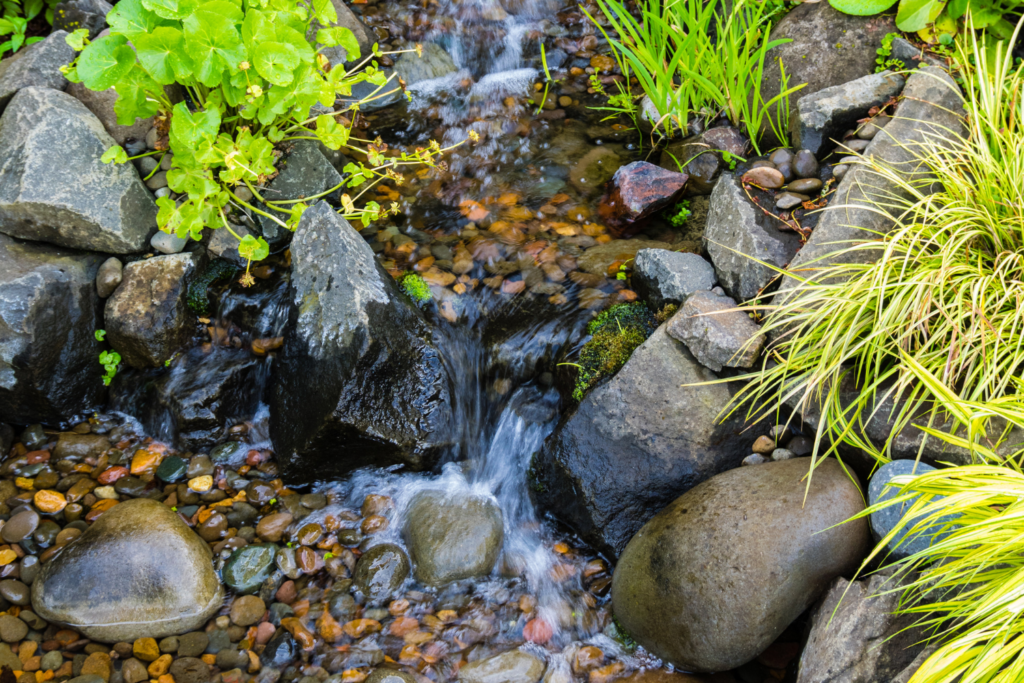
{"points": [[665, 277], [638, 191], [48, 314], [856, 638], [514, 666], [716, 332], [305, 172], [452, 537], [824, 116], [137, 572], [101, 104], [598, 259], [37, 65], [741, 240], [53, 186], [931, 109], [147, 319], [719, 574], [359, 380], [434, 63], [636, 442], [827, 48], [71, 15]]}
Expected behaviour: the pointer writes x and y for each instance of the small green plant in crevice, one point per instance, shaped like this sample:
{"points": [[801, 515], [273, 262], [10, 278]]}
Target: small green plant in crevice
{"points": [[416, 288], [615, 334], [617, 632], [198, 296], [883, 61], [680, 213], [14, 22], [108, 359]]}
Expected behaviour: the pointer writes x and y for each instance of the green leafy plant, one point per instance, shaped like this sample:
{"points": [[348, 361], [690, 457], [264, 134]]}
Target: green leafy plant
{"points": [[233, 83], [615, 334], [883, 61], [939, 17], [934, 318], [680, 213], [697, 59], [14, 22], [108, 359]]}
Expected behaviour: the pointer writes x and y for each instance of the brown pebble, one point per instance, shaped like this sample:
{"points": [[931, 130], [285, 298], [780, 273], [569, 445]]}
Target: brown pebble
{"points": [[160, 666], [374, 524], [146, 649], [804, 185], [287, 592], [247, 610], [763, 445], [764, 176], [271, 528], [97, 664]]}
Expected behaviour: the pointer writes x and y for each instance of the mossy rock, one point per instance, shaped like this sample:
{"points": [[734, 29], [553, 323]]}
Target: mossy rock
{"points": [[615, 334]]}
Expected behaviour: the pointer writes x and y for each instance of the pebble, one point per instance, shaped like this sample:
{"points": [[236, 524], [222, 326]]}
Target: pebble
{"points": [[201, 484], [190, 670], [167, 161], [50, 502], [146, 165], [781, 434], [782, 454], [781, 156], [20, 526], [157, 181], [108, 277], [786, 169], [15, 591], [870, 128], [272, 527], [754, 459], [789, 200], [146, 649], [97, 664], [805, 185], [764, 176], [839, 170], [763, 445], [805, 165], [800, 445], [856, 145], [247, 610], [151, 137], [193, 644], [166, 243], [134, 671]]}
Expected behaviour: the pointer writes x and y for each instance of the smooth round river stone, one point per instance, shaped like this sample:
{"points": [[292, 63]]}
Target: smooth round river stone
{"points": [[764, 176], [713, 579], [381, 571], [804, 185], [883, 521], [137, 572], [248, 567], [452, 537], [789, 200]]}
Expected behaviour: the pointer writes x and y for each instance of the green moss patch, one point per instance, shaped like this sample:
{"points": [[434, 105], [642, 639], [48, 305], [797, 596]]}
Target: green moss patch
{"points": [[415, 287], [615, 334], [198, 297]]}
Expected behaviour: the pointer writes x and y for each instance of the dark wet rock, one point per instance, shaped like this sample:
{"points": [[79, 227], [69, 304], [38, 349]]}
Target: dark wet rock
{"points": [[305, 172], [137, 572], [638, 191], [452, 537], [854, 635], [514, 666], [824, 116], [172, 469], [380, 571], [805, 164], [79, 446], [15, 592], [674, 588], [663, 277], [805, 186], [883, 521], [147, 319], [189, 670], [696, 159], [71, 15], [53, 186], [249, 567], [280, 650], [929, 110], [828, 48], [595, 168], [37, 65], [363, 33], [717, 334], [597, 260], [634, 443], [101, 104], [739, 232], [50, 311], [359, 380]]}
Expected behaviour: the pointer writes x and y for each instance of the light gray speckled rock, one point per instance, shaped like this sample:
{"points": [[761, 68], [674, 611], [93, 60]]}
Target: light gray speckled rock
{"points": [[825, 115], [101, 104], [53, 186], [665, 277], [717, 334], [37, 65]]}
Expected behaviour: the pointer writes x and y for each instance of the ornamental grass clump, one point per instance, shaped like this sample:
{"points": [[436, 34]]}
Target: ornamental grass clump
{"points": [[231, 83], [936, 321]]}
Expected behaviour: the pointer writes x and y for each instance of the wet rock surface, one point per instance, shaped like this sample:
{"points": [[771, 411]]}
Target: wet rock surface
{"points": [[139, 572], [49, 309], [716, 332], [305, 172], [37, 65], [663, 277], [825, 115], [53, 186], [638, 191], [453, 538], [673, 585]]}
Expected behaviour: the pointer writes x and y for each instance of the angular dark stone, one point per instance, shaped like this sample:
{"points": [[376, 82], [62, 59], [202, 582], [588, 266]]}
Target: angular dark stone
{"points": [[639, 190], [825, 115], [37, 65]]}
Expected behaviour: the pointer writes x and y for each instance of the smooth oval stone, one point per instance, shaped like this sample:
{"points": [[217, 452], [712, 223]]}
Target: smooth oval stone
{"points": [[781, 156], [870, 129], [172, 469], [856, 145], [883, 521], [762, 163], [20, 526], [381, 571], [249, 567], [804, 185], [452, 537], [786, 169], [839, 170], [108, 277], [789, 200], [15, 591], [805, 165], [137, 572], [389, 676], [713, 579], [514, 666], [764, 176]]}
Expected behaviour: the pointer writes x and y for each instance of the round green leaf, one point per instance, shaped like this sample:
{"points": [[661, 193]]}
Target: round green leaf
{"points": [[862, 8], [105, 61], [276, 62], [162, 55], [914, 15]]}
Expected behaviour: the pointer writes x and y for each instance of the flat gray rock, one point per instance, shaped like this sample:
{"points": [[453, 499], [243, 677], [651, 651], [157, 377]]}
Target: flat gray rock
{"points": [[717, 334], [49, 311], [665, 277], [305, 172], [37, 65], [824, 116], [53, 186]]}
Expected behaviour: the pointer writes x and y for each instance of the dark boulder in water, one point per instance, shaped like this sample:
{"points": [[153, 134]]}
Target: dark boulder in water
{"points": [[360, 380]]}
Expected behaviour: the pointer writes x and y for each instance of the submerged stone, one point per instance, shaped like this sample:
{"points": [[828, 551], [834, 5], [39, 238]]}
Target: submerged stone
{"points": [[453, 537]]}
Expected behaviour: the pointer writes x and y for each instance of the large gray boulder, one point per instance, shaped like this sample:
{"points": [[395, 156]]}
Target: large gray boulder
{"points": [[49, 312], [71, 15], [101, 104], [828, 48], [359, 380], [304, 172], [53, 186], [719, 574], [663, 277], [824, 116], [434, 63], [137, 572], [636, 442], [744, 243], [37, 65], [716, 332], [452, 537], [855, 636], [147, 318]]}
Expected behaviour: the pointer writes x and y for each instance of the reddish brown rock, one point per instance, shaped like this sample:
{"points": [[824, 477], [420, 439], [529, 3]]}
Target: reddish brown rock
{"points": [[638, 191]]}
